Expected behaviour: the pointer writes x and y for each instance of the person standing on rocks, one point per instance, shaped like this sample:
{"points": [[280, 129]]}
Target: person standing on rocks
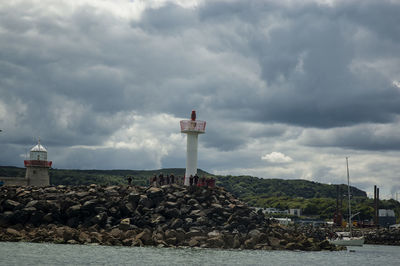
{"points": [[168, 180], [172, 177], [161, 177], [191, 180], [203, 181], [129, 180], [196, 179], [154, 181]]}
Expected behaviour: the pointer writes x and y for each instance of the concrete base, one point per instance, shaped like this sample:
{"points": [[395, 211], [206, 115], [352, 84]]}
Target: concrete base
{"points": [[37, 176]]}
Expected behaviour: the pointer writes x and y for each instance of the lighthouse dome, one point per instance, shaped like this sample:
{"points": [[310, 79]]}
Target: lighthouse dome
{"points": [[39, 147], [38, 152]]}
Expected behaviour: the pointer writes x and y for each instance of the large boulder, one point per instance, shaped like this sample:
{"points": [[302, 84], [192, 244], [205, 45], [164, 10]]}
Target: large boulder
{"points": [[154, 192], [10, 205]]}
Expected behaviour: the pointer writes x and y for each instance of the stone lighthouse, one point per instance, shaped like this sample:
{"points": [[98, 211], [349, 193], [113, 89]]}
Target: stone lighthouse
{"points": [[37, 167], [192, 128]]}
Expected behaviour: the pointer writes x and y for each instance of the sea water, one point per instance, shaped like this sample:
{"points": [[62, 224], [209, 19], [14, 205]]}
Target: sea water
{"points": [[22, 253]]}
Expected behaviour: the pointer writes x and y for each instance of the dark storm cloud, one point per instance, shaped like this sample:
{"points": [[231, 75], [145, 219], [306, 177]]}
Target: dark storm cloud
{"points": [[75, 77], [363, 137], [306, 60]]}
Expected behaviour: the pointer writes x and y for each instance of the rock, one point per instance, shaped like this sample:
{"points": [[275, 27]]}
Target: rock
{"points": [[145, 201], [171, 241], [172, 213], [176, 223], [96, 237], [215, 242], [99, 219], [274, 242], [13, 232], [194, 233], [154, 192], [254, 233], [214, 233], [292, 246], [128, 241], [116, 233], [145, 237], [10, 205], [67, 233], [202, 220], [188, 220], [134, 198], [325, 245], [193, 242], [170, 234], [84, 238], [36, 217], [193, 202], [47, 218], [158, 219], [89, 205], [135, 216], [250, 243], [74, 210]]}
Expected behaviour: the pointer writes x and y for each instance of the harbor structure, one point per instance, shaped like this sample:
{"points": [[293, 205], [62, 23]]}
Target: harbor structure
{"points": [[37, 167], [192, 128]]}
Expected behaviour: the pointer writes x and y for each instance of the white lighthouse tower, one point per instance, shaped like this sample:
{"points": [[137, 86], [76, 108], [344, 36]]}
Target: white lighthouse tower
{"points": [[37, 167], [192, 128]]}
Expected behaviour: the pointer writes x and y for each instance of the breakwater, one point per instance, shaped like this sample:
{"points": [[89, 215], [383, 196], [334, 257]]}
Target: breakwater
{"points": [[169, 216]]}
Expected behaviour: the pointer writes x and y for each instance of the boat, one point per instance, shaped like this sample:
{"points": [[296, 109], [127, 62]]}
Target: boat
{"points": [[347, 238], [344, 239]]}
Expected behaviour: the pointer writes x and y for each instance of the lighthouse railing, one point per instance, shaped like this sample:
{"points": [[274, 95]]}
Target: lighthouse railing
{"points": [[193, 126], [38, 163]]}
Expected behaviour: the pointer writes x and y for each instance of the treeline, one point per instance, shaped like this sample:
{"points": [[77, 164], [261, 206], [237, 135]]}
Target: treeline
{"points": [[248, 186]]}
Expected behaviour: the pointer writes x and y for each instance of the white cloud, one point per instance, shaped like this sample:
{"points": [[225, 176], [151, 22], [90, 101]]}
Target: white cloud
{"points": [[276, 157]]}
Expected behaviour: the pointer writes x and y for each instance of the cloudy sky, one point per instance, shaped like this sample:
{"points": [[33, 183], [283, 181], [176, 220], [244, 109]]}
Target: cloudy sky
{"points": [[288, 88]]}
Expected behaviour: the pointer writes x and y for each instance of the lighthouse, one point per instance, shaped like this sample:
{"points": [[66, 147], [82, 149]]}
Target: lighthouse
{"points": [[37, 167], [192, 128]]}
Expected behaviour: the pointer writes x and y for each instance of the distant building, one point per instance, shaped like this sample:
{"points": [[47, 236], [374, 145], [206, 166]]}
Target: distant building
{"points": [[284, 221], [275, 210], [295, 212], [386, 217]]}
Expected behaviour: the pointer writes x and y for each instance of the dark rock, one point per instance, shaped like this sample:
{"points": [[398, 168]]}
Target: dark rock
{"points": [[146, 202], [134, 197], [154, 192], [215, 242], [145, 237], [10, 205], [74, 210], [176, 223], [172, 213]]}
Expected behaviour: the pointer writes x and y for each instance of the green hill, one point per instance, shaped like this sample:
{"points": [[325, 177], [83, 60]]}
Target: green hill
{"points": [[245, 186]]}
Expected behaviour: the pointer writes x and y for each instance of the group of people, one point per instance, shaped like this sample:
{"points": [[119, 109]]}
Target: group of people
{"points": [[161, 180], [195, 180], [201, 182]]}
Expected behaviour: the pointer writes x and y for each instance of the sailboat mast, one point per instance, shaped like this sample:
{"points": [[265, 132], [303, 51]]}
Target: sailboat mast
{"points": [[348, 192]]}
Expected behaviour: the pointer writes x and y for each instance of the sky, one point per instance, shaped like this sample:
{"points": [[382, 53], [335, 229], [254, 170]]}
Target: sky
{"points": [[288, 89]]}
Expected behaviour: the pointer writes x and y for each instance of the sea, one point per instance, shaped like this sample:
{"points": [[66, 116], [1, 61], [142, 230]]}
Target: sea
{"points": [[23, 253]]}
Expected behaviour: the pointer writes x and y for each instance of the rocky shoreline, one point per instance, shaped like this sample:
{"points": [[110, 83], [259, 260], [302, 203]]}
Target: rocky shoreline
{"points": [[170, 216]]}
